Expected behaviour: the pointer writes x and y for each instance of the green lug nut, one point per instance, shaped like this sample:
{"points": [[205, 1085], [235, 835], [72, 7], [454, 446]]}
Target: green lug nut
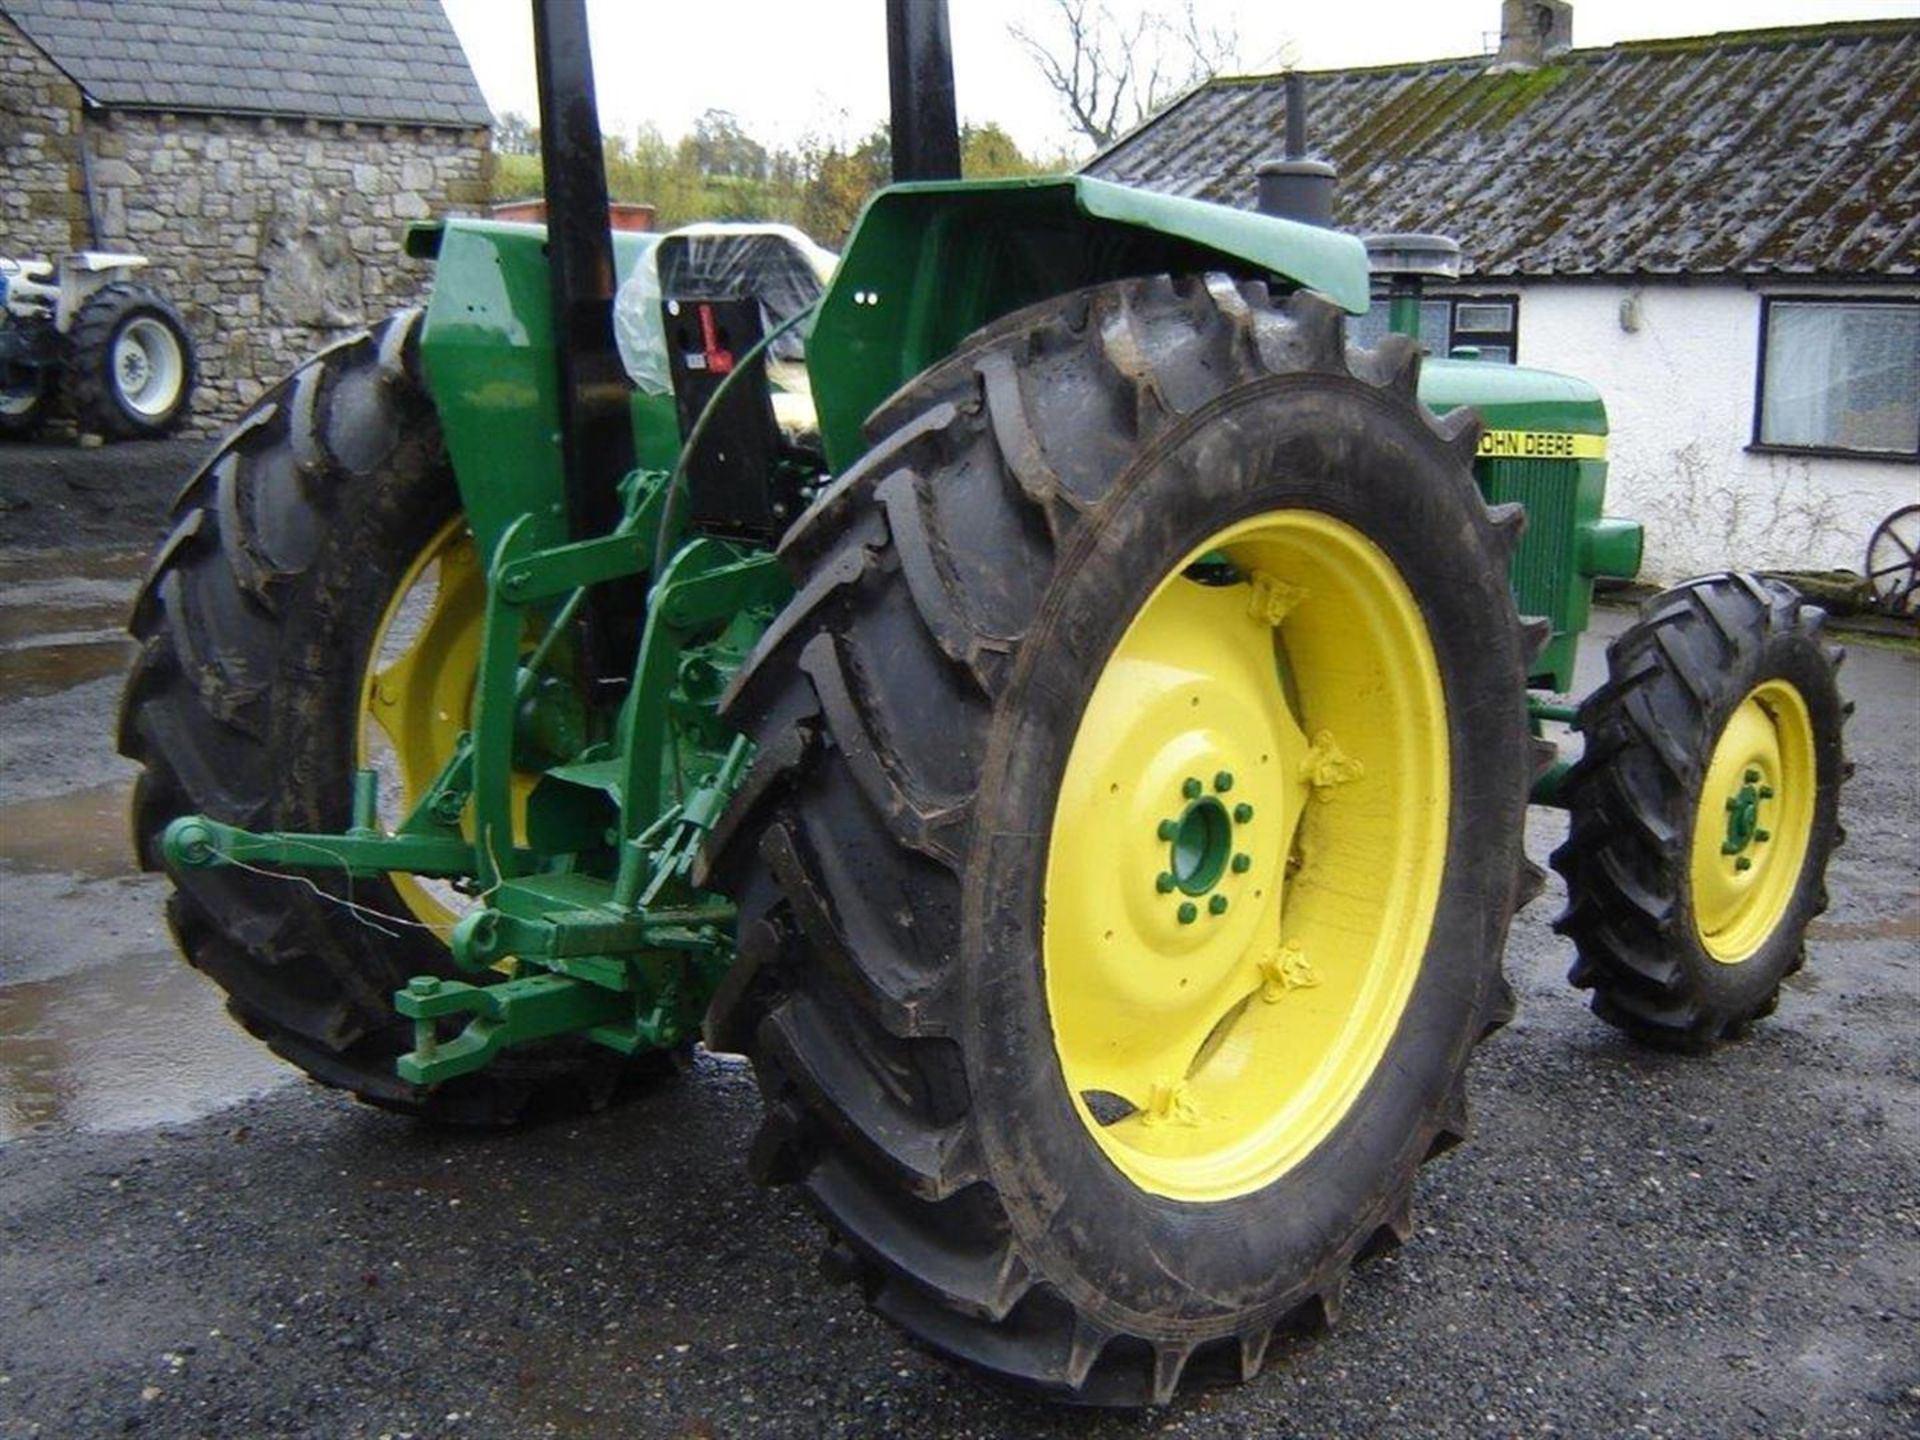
{"points": [[1192, 788], [1753, 777], [1743, 863], [1223, 781], [1164, 882], [1188, 912], [1168, 829], [1217, 905], [1762, 836], [1766, 792], [1242, 864], [1243, 812], [1732, 804]]}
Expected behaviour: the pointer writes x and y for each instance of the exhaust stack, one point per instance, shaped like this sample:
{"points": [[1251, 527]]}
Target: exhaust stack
{"points": [[1294, 187], [926, 128]]}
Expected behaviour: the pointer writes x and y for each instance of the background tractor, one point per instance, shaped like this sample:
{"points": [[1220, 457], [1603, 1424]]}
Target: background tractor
{"points": [[1083, 766], [84, 328]]}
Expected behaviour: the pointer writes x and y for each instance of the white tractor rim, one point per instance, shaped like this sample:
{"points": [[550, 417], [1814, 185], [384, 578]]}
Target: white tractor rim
{"points": [[148, 368]]}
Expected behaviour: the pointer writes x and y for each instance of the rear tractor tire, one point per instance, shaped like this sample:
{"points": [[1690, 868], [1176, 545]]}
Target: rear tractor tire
{"points": [[318, 590], [130, 364], [1703, 810], [1133, 833]]}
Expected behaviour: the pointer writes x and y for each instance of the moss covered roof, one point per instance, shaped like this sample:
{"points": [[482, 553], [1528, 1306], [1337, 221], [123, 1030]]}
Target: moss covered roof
{"points": [[1792, 151]]}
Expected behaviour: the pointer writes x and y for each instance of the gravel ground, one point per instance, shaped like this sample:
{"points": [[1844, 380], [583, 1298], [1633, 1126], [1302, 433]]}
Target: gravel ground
{"points": [[1633, 1244], [63, 494]]}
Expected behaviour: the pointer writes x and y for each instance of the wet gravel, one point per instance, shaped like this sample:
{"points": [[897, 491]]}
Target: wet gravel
{"points": [[1633, 1244]]}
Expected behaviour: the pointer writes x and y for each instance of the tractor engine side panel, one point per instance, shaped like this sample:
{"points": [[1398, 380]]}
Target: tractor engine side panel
{"points": [[1545, 449]]}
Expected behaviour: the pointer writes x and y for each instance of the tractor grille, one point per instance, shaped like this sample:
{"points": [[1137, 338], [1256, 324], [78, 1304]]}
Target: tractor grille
{"points": [[1543, 566]]}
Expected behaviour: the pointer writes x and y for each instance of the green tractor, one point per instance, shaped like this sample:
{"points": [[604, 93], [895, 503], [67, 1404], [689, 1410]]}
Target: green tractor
{"points": [[1084, 769]]}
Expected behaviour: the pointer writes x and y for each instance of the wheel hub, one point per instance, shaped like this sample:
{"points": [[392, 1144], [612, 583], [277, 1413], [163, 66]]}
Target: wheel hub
{"points": [[1750, 836], [1743, 819], [1201, 846], [148, 366]]}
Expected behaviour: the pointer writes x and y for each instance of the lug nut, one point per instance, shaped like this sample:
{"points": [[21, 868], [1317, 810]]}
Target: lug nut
{"points": [[1192, 788], [1188, 912], [1766, 792], [1223, 781], [1217, 905], [1242, 864], [1243, 812], [1753, 777], [1762, 836], [1168, 829], [1743, 863], [1164, 882]]}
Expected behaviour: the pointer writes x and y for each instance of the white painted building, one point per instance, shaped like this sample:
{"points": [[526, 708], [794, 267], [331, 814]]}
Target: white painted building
{"points": [[1680, 365], [1721, 233]]}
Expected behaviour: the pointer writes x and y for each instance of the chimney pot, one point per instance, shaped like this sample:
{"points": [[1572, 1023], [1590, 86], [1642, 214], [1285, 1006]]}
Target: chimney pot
{"points": [[1533, 32]]}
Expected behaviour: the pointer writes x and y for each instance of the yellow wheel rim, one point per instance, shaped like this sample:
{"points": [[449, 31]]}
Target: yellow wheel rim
{"points": [[417, 695], [1246, 856], [1755, 821]]}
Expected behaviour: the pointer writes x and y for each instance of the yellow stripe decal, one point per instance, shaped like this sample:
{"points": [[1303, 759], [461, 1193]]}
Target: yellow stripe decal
{"points": [[1542, 445]]}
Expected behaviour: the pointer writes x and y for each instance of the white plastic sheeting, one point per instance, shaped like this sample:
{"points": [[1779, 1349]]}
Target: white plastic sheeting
{"points": [[776, 264]]}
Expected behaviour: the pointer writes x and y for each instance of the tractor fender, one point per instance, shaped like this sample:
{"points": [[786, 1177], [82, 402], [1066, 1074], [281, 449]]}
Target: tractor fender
{"points": [[929, 263]]}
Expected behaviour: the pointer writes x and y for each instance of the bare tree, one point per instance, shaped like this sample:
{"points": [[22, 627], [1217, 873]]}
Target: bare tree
{"points": [[1110, 71]]}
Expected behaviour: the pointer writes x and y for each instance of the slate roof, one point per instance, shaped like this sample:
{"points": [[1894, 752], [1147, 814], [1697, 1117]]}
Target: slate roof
{"points": [[385, 61], [1793, 151]]}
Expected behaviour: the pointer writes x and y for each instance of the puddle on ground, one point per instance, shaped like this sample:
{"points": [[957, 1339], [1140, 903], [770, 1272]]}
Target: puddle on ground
{"points": [[83, 832], [143, 1041], [134, 1041], [84, 562], [1887, 927], [42, 669], [62, 618]]}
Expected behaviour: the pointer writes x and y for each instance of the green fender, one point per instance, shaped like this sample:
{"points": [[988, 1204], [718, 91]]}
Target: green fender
{"points": [[930, 263]]}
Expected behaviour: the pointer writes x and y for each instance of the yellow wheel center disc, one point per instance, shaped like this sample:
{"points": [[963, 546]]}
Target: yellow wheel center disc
{"points": [[1246, 856], [1755, 820], [416, 697]]}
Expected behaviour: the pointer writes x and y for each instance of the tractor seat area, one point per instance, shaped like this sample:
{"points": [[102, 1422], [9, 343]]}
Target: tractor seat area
{"points": [[775, 265]]}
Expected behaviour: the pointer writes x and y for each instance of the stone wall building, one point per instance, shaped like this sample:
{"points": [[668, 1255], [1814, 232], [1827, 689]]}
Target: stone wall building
{"points": [[264, 154]]}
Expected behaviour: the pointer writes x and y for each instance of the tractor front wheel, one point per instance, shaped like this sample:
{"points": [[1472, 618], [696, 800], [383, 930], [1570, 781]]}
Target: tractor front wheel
{"points": [[1703, 810], [1133, 835]]}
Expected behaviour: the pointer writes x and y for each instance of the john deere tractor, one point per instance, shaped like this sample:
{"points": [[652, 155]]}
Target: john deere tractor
{"points": [[1083, 765]]}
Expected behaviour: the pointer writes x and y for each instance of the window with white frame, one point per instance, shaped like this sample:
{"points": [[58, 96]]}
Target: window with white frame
{"points": [[1487, 325], [1839, 375]]}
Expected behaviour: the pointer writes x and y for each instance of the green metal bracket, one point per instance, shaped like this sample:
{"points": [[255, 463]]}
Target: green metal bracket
{"points": [[1550, 785], [706, 582], [194, 842], [513, 1012]]}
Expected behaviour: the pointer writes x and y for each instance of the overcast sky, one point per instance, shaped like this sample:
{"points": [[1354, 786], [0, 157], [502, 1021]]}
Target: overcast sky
{"points": [[788, 68]]}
